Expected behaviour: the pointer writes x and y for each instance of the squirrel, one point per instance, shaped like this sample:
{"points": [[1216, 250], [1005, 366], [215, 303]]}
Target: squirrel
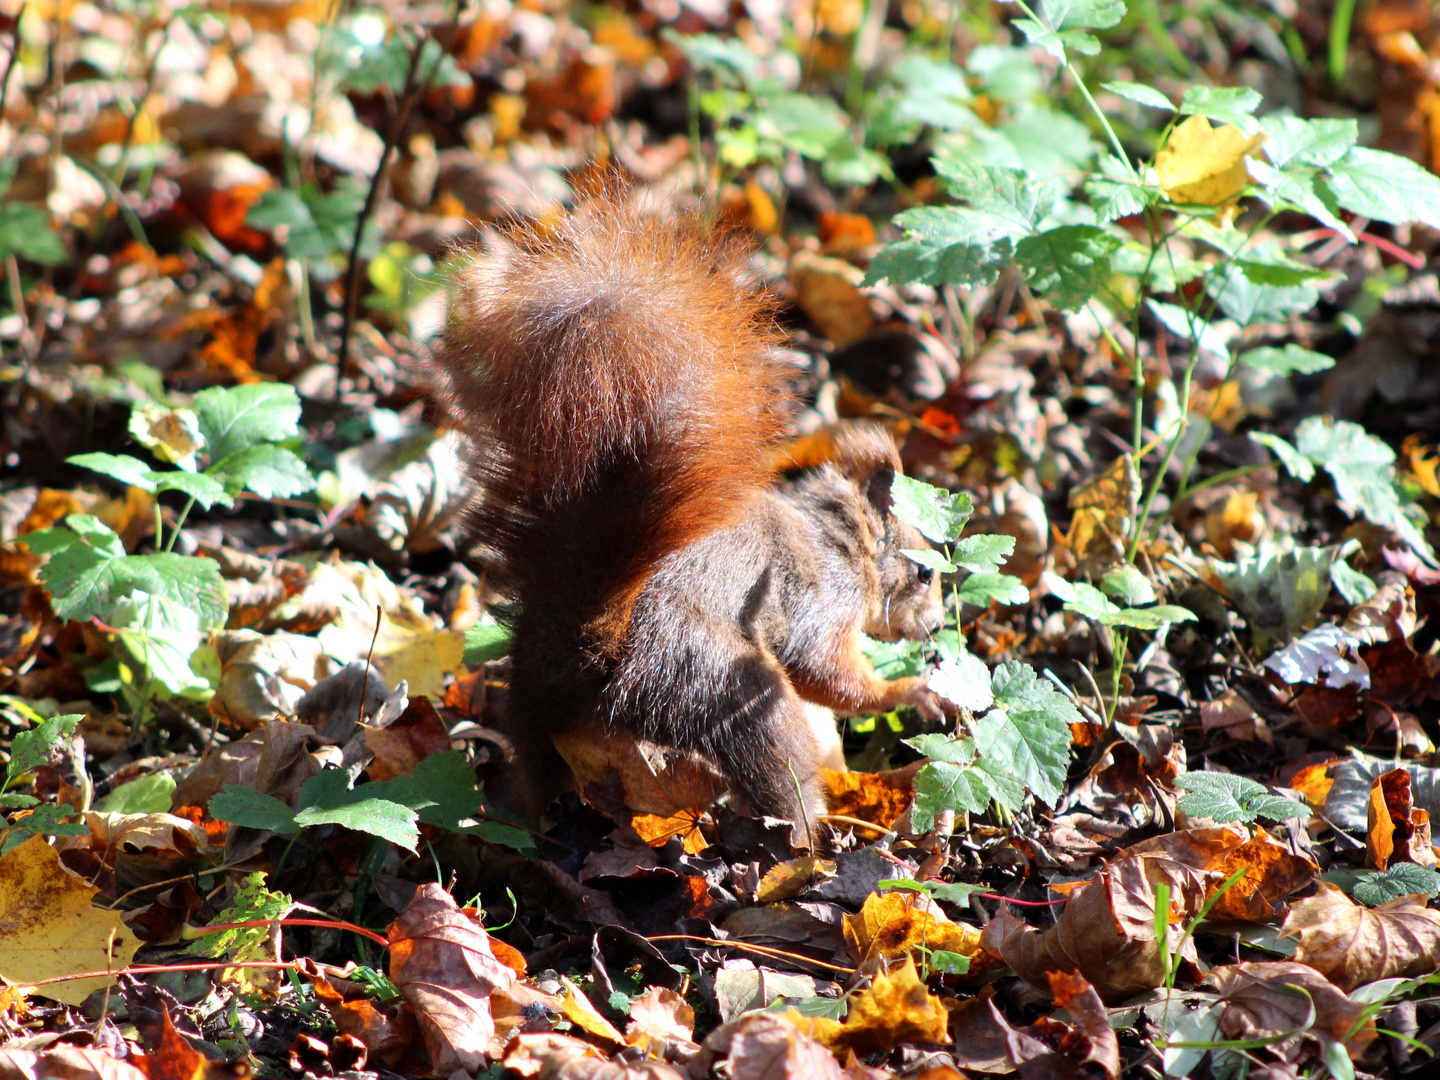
{"points": [[618, 379]]}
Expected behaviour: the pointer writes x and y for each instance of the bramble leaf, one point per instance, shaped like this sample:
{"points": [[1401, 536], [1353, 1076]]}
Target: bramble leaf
{"points": [[1226, 798]]}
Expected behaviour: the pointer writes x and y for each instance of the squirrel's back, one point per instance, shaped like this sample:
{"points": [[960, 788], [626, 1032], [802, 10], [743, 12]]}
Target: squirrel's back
{"points": [[616, 374]]}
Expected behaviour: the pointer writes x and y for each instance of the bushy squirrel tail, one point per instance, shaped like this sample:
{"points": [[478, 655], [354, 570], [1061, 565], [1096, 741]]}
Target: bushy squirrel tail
{"points": [[616, 374]]}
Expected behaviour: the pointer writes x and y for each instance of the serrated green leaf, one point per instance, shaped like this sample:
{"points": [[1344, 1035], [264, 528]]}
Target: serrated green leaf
{"points": [[982, 590], [1127, 585], [1065, 21], [88, 573], [378, 817], [1140, 94], [241, 805], [1115, 192], [1291, 140], [1245, 301], [1084, 599], [1354, 586], [1301, 189], [1007, 200], [942, 786], [1028, 733], [32, 748], [161, 635], [965, 680], [238, 417], [205, 490], [1068, 264], [1286, 360], [1385, 187], [938, 514], [484, 644], [1227, 798], [1227, 104], [1377, 887], [983, 554], [253, 903], [148, 795], [930, 559], [122, 467], [272, 472], [946, 748], [48, 819]]}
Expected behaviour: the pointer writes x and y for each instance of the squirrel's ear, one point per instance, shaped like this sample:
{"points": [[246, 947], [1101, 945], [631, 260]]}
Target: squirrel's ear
{"points": [[866, 454]]}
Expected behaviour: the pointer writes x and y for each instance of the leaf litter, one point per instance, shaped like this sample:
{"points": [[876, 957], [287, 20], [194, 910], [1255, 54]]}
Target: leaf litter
{"points": [[250, 681]]}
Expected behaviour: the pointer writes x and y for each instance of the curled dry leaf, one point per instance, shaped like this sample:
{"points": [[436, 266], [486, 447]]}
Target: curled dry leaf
{"points": [[65, 1062], [900, 923], [1395, 830], [1352, 945], [385, 1038], [580, 1012], [1273, 872], [1270, 999], [1107, 930], [440, 960], [551, 1056], [762, 1046], [896, 1008], [51, 929], [1085, 1046]]}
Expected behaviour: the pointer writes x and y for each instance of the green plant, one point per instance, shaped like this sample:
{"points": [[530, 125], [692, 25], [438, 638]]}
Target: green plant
{"points": [[160, 606], [1186, 241], [1015, 728], [29, 750], [1225, 798]]}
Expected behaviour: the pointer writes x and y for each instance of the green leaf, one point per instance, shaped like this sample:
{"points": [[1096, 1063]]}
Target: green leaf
{"points": [[1290, 140], [378, 817], [982, 590], [1084, 599], [1140, 94], [441, 789], [1226, 798], [48, 819], [939, 515], [1127, 585], [484, 644], [1068, 264], [1148, 618], [1245, 301], [148, 795], [1386, 187], [1377, 887], [1354, 586], [1115, 193], [942, 786], [964, 680], [122, 467], [1296, 463], [983, 554], [1227, 104], [88, 573], [1028, 733], [1286, 360], [239, 417], [1278, 593], [895, 659], [1301, 189], [955, 892], [253, 903], [32, 748], [241, 805], [272, 472], [25, 231], [205, 490], [944, 748], [930, 558], [946, 962], [1013, 202], [1065, 19]]}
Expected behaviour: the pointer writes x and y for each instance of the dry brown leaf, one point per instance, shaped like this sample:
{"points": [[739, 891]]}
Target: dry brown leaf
{"points": [[895, 1008], [176, 1059], [553, 1056], [788, 879], [65, 1062], [51, 929], [903, 923], [385, 1037], [415, 735], [1352, 945], [1273, 872], [656, 831], [662, 1023], [1266, 1000], [1231, 716], [763, 1046], [879, 797], [1107, 930], [262, 676], [1395, 830], [651, 779], [441, 962], [828, 292]]}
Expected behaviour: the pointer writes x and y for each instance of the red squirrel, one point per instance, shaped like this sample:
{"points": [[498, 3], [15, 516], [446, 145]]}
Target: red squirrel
{"points": [[618, 379]]}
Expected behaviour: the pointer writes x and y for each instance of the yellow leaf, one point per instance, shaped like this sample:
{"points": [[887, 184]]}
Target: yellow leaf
{"points": [[895, 1009], [1201, 164], [49, 927], [899, 923], [578, 1010], [789, 879]]}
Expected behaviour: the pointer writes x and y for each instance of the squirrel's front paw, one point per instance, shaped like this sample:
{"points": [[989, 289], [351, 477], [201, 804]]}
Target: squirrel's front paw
{"points": [[931, 705]]}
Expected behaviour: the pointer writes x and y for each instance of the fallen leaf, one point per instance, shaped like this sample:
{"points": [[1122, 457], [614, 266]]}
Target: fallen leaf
{"points": [[788, 879], [65, 1062], [662, 1023], [384, 1037], [1107, 930], [895, 1008], [1086, 1046], [580, 1012], [51, 929], [903, 923], [415, 735], [1396, 831], [656, 831], [879, 797], [441, 962], [1273, 871], [554, 1056], [827, 290], [176, 1059], [651, 779], [763, 1046], [1352, 945], [1275, 998]]}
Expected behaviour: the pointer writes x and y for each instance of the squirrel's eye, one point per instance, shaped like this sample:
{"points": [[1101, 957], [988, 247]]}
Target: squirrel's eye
{"points": [[924, 574]]}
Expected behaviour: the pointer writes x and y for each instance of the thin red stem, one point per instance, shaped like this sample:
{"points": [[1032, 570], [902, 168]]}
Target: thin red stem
{"points": [[328, 924]]}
